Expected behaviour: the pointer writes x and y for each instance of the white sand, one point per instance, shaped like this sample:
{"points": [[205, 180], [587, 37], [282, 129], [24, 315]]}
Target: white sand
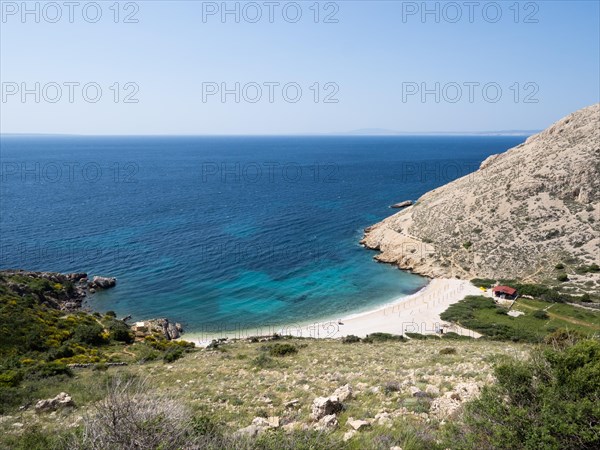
{"points": [[417, 313]]}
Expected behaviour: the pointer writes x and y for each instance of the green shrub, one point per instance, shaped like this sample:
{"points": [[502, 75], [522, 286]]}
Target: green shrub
{"points": [[559, 266], [120, 331], [173, 354], [467, 245], [350, 339], [540, 314], [483, 282], [90, 334], [562, 277], [548, 402], [416, 336], [263, 361], [448, 351], [282, 349], [384, 337]]}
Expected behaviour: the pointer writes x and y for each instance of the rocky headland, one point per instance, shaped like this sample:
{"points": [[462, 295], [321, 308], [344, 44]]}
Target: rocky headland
{"points": [[522, 214]]}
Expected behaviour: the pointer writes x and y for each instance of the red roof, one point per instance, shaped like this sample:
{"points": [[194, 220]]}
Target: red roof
{"points": [[505, 290]]}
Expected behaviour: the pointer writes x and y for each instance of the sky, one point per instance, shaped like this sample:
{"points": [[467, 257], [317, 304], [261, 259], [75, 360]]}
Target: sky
{"points": [[306, 67]]}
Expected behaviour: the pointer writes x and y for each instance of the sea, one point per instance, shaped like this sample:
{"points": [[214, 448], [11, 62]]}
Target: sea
{"points": [[222, 233]]}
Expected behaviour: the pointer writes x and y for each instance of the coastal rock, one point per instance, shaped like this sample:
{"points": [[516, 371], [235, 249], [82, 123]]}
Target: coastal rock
{"points": [[60, 291], [62, 400], [170, 330], [102, 282], [403, 204], [515, 217]]}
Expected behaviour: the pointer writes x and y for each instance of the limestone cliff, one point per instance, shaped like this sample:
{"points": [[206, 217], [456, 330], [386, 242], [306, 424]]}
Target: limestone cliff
{"points": [[520, 214]]}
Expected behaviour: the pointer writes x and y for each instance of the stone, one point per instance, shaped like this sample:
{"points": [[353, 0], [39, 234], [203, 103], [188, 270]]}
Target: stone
{"points": [[432, 390], [327, 422], [324, 406], [291, 403], [349, 435], [357, 424], [343, 393], [414, 390], [62, 400], [103, 282], [383, 418], [273, 422], [403, 204]]}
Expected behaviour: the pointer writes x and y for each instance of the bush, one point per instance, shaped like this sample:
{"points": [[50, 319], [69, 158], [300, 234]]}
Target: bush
{"points": [[173, 354], [350, 339], [559, 266], [562, 277], [483, 282], [384, 337], [549, 402], [282, 349], [90, 334], [263, 361], [129, 417], [416, 336], [448, 351], [540, 314], [120, 331]]}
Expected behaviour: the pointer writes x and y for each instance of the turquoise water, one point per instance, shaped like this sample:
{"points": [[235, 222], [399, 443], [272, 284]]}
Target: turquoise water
{"points": [[221, 233]]}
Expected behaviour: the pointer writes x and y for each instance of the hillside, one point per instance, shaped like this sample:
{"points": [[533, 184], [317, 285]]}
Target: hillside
{"points": [[524, 212]]}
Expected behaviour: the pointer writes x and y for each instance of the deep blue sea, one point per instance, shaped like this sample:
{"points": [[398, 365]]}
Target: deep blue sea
{"points": [[221, 232]]}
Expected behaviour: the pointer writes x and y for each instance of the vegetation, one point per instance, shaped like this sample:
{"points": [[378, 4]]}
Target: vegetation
{"points": [[551, 401], [483, 315]]}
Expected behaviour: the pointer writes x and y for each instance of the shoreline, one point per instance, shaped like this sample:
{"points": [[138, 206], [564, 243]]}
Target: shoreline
{"points": [[414, 313]]}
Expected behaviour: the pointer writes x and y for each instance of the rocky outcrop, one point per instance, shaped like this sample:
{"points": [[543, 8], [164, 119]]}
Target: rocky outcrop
{"points": [[65, 292], [326, 406], [170, 330], [62, 400], [449, 404], [520, 214], [102, 282]]}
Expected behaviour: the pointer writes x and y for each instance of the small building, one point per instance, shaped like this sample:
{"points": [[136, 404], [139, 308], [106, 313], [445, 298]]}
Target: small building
{"points": [[505, 292]]}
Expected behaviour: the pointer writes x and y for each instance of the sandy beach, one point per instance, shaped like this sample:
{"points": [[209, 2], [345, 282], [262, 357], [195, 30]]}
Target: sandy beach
{"points": [[417, 313]]}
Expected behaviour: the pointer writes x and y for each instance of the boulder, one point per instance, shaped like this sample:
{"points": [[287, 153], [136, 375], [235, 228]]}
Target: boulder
{"points": [[168, 329], [102, 282], [403, 204], [325, 406], [62, 400]]}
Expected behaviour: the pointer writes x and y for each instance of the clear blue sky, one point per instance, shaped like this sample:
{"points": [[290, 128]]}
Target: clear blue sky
{"points": [[369, 53]]}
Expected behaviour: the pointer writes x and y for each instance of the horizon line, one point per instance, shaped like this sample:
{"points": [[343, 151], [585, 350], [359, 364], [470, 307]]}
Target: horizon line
{"points": [[337, 134]]}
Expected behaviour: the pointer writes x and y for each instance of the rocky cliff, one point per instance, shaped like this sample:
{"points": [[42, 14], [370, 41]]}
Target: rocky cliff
{"points": [[522, 213]]}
